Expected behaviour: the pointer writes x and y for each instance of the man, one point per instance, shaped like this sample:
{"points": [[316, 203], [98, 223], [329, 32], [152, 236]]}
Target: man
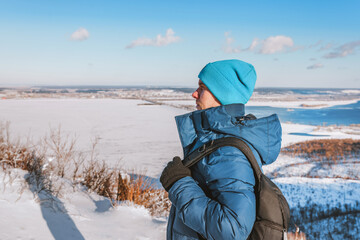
{"points": [[215, 198]]}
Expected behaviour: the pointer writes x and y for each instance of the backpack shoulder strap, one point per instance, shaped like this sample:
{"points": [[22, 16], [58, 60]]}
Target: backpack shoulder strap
{"points": [[213, 145]]}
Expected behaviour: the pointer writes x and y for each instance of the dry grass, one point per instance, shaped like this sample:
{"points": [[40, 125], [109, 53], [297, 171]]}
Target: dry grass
{"points": [[312, 105], [119, 187], [12, 154], [15, 155], [328, 151], [57, 156]]}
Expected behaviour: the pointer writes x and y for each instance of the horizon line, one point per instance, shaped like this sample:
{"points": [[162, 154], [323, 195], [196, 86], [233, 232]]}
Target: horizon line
{"points": [[146, 86]]}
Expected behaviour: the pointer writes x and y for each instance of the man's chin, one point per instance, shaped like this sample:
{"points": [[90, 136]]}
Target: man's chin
{"points": [[198, 107]]}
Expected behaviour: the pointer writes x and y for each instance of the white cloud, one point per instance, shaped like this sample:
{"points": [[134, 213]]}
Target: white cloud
{"points": [[158, 41], [228, 48], [344, 50], [254, 44], [80, 35], [321, 45], [270, 45], [275, 44], [315, 66]]}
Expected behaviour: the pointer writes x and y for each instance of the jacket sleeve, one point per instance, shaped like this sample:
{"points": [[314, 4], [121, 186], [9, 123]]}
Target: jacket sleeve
{"points": [[229, 213]]}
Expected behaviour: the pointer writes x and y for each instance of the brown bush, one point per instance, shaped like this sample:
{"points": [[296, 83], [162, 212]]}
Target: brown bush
{"points": [[325, 150], [13, 155], [96, 175], [119, 186]]}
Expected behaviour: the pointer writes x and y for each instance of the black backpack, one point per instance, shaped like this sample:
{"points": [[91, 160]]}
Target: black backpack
{"points": [[272, 209]]}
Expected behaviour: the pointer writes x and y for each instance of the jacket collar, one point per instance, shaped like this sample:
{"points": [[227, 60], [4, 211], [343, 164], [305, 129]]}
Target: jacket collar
{"points": [[198, 127], [198, 124]]}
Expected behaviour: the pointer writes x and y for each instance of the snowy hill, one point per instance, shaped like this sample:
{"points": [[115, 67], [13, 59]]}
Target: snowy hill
{"points": [[324, 200], [76, 214]]}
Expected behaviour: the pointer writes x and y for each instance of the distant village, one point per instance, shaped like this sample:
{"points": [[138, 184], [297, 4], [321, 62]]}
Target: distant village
{"points": [[93, 92], [161, 94]]}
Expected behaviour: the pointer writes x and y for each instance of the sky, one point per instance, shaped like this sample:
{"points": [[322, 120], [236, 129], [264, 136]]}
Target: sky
{"points": [[300, 44]]}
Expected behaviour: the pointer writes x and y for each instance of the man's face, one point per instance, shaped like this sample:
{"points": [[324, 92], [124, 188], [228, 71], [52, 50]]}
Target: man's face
{"points": [[204, 98]]}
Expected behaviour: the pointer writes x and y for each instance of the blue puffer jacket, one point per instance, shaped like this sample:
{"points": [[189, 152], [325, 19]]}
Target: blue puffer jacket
{"points": [[218, 201]]}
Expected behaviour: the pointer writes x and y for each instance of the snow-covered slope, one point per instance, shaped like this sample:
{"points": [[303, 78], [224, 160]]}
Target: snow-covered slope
{"points": [[76, 214], [144, 137]]}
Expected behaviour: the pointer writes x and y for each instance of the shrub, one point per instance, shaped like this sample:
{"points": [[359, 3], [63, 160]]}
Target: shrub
{"points": [[327, 151], [57, 156]]}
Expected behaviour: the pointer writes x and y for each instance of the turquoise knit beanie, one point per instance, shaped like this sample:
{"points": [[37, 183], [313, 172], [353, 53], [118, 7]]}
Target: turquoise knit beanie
{"points": [[230, 81]]}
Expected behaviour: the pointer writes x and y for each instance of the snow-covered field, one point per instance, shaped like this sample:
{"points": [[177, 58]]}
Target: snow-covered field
{"points": [[140, 137], [281, 103], [144, 138], [75, 215], [313, 104]]}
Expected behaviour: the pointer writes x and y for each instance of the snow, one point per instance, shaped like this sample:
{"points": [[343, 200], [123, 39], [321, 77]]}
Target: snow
{"points": [[144, 138], [351, 91], [278, 103], [307, 132], [75, 215], [299, 191], [124, 128], [312, 104]]}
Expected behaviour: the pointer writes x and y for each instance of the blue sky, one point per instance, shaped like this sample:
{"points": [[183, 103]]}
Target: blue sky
{"points": [[290, 43]]}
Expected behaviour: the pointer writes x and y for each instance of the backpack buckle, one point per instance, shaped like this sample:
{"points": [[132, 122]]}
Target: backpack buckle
{"points": [[202, 148], [207, 145]]}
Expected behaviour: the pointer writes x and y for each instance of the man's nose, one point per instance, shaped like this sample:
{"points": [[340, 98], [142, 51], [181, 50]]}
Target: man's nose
{"points": [[195, 94]]}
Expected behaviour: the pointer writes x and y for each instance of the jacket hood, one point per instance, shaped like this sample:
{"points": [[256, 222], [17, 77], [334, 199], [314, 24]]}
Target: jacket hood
{"points": [[198, 127]]}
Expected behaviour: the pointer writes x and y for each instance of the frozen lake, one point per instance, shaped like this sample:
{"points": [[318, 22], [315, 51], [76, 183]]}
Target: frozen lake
{"points": [[339, 114], [142, 137]]}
